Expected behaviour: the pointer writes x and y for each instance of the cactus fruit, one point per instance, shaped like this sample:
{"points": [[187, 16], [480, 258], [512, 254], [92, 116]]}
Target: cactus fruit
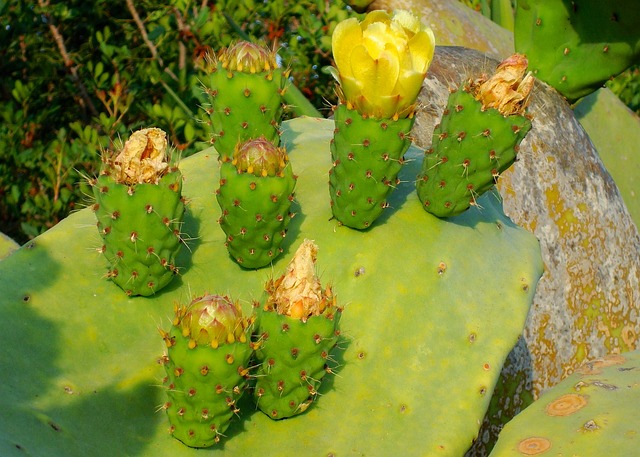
{"points": [[380, 65], [244, 87], [476, 140], [296, 330], [208, 350], [367, 155], [577, 46], [592, 412], [139, 208], [255, 195]]}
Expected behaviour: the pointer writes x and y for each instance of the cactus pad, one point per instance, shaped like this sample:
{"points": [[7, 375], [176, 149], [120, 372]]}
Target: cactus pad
{"points": [[577, 46], [592, 412], [431, 309]]}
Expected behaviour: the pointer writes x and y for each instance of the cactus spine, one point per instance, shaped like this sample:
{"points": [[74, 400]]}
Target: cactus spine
{"points": [[476, 140], [297, 328], [139, 208], [208, 350]]}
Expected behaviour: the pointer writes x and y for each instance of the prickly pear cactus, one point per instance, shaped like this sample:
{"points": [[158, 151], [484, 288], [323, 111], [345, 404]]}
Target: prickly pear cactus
{"points": [[478, 138], [139, 208], [577, 46], [255, 197], [431, 309], [297, 329], [592, 412], [207, 365], [243, 86]]}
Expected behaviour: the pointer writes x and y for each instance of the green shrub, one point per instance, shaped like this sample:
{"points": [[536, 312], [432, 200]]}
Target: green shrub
{"points": [[79, 75]]}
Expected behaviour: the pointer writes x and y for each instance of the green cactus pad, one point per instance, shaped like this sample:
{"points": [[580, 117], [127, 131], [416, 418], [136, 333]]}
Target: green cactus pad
{"points": [[431, 310], [593, 412], [577, 46], [367, 155], [470, 148], [242, 106], [254, 214], [141, 228], [294, 356]]}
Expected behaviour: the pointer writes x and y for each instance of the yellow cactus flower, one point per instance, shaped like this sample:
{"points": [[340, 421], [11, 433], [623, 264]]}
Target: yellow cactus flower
{"points": [[381, 62]]}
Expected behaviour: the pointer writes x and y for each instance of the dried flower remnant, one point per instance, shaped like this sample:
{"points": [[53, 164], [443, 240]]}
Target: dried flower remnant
{"points": [[298, 292], [143, 158], [508, 89]]}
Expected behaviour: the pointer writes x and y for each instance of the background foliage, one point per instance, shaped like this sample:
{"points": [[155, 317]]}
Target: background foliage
{"points": [[77, 75]]}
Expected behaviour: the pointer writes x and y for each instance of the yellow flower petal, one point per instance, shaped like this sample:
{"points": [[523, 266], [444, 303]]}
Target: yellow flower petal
{"points": [[375, 38], [421, 49], [410, 22], [381, 67], [375, 16], [379, 75], [346, 35]]}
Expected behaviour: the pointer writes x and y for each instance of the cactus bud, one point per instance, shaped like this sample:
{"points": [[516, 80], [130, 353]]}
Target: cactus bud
{"points": [[212, 320], [248, 58], [260, 157]]}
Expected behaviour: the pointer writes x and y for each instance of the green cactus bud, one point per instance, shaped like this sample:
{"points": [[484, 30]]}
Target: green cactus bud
{"points": [[476, 140], [207, 367], [247, 57], [367, 155], [296, 331], [255, 197], [139, 208], [212, 319], [260, 157], [244, 88]]}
